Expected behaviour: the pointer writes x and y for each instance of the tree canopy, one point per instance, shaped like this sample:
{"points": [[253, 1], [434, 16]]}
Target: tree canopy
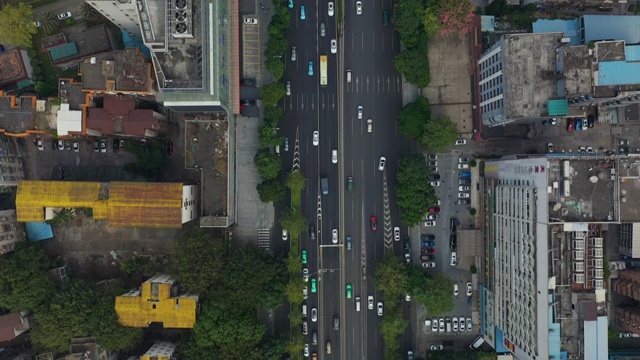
{"points": [[432, 292], [413, 118], [453, 16], [413, 63], [413, 194], [25, 283], [17, 25], [439, 133], [391, 277], [392, 326], [270, 190], [151, 157], [227, 326], [268, 164], [293, 221], [199, 261], [408, 22], [271, 94]]}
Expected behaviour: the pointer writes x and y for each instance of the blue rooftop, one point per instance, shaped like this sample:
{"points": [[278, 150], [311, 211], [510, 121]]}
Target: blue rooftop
{"points": [[570, 28], [611, 27], [618, 73], [632, 52], [37, 231]]}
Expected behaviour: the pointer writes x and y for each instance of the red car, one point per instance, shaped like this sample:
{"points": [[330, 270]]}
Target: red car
{"points": [[374, 223], [433, 210], [429, 250], [570, 125]]}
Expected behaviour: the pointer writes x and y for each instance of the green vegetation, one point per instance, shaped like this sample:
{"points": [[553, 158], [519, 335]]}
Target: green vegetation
{"points": [[268, 164], [522, 16], [271, 94], [294, 221], [395, 278], [152, 159], [64, 216], [296, 182], [415, 120], [472, 211], [17, 27], [271, 190], [414, 195], [473, 269]]}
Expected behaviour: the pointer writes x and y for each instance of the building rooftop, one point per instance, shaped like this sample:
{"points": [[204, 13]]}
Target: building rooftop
{"points": [[122, 71], [581, 189], [12, 69], [16, 114], [531, 73], [118, 114], [569, 28], [131, 204], [87, 42], [629, 176], [611, 27], [577, 70]]}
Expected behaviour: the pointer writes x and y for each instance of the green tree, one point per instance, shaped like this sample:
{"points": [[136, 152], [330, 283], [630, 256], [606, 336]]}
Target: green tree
{"points": [[455, 16], [407, 19], [275, 66], [199, 262], [44, 89], [268, 164], [413, 194], [434, 293], [498, 8], [392, 326], [189, 350], [67, 317], [25, 283], [226, 326], [62, 217], [413, 63], [151, 159], [431, 23], [486, 355], [261, 275], [267, 136], [87, 12], [440, 133], [17, 27], [273, 348], [104, 326], [48, 22], [413, 118], [271, 94], [270, 190], [293, 221], [272, 115], [391, 277], [296, 181], [294, 290]]}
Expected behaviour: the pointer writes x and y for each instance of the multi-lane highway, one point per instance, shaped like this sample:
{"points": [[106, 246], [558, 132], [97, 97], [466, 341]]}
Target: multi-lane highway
{"points": [[366, 47]]}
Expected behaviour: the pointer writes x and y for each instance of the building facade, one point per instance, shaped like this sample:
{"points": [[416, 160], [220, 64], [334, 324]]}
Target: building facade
{"points": [[11, 231]]}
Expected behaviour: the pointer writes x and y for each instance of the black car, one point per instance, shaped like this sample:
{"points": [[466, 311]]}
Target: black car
{"points": [[623, 150], [246, 82], [54, 144], [590, 121], [453, 242], [248, 102], [434, 177], [453, 222], [312, 232], [464, 182], [407, 242], [426, 237], [116, 145]]}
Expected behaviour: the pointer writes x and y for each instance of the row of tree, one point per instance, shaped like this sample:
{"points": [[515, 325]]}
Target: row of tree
{"points": [[395, 279], [437, 132], [76, 308], [417, 21], [414, 194]]}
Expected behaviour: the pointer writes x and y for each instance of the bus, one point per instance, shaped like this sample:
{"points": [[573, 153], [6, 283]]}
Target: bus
{"points": [[323, 70]]}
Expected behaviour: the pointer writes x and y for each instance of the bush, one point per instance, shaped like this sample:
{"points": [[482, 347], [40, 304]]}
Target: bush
{"points": [[472, 212], [473, 269], [473, 163]]}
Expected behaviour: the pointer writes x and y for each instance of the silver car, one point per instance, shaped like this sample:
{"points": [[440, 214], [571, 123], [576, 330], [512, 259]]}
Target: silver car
{"points": [[314, 314], [360, 110], [293, 53], [322, 30], [334, 236]]}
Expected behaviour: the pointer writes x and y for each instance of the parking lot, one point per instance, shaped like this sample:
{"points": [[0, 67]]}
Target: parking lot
{"points": [[448, 193]]}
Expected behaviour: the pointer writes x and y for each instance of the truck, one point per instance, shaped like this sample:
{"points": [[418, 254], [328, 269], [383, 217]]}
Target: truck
{"points": [[324, 185], [323, 70]]}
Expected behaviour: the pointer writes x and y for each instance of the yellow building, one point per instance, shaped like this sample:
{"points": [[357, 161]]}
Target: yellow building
{"points": [[132, 204], [157, 302], [160, 351]]}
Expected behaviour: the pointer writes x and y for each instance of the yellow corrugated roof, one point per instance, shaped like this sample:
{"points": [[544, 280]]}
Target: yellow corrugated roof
{"points": [[145, 204], [34, 196], [139, 311], [124, 204]]}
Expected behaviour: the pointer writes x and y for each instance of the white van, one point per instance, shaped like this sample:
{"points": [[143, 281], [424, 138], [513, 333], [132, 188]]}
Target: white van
{"points": [[357, 303], [454, 258], [348, 75], [304, 310], [476, 343]]}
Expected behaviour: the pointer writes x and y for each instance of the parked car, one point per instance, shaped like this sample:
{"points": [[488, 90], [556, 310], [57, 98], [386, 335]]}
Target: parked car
{"points": [[469, 290], [464, 188], [570, 125], [428, 264], [380, 308], [40, 144], [463, 160], [116, 145], [251, 21], [460, 142], [76, 146], [396, 233], [60, 144], [428, 223], [425, 237], [103, 146], [64, 15]]}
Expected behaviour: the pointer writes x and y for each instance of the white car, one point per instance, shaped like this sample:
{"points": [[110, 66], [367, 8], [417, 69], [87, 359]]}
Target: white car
{"points": [[428, 223], [288, 88], [461, 142], [60, 144], [293, 53], [434, 324], [436, 347], [359, 7], [433, 163], [464, 188], [316, 138], [383, 160], [441, 325], [463, 166], [251, 21], [455, 323], [380, 308], [314, 314], [334, 156], [434, 183], [469, 324], [370, 302], [433, 157], [369, 125], [330, 8], [285, 235], [76, 147], [360, 110], [334, 236], [305, 274], [432, 217], [455, 289], [306, 350], [463, 160], [407, 297], [40, 144], [305, 293], [396, 233], [430, 264], [64, 15], [334, 46], [463, 195], [469, 291]]}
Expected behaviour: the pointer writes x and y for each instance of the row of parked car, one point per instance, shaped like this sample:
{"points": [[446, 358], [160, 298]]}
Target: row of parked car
{"points": [[448, 325]]}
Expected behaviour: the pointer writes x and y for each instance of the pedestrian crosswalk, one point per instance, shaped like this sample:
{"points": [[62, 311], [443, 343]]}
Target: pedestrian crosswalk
{"points": [[264, 239]]}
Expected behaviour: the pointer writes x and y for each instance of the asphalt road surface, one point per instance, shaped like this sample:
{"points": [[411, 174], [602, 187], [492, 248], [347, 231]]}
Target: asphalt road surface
{"points": [[367, 49]]}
